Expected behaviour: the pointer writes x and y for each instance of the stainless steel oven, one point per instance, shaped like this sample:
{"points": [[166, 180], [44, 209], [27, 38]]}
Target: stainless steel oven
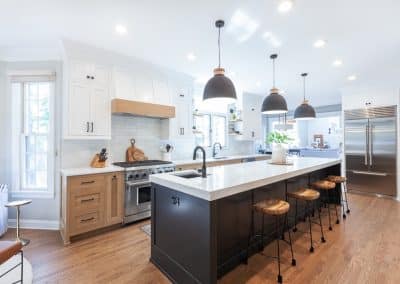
{"points": [[137, 202]]}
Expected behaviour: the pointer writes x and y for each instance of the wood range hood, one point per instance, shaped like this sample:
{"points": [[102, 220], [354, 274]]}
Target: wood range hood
{"points": [[136, 108]]}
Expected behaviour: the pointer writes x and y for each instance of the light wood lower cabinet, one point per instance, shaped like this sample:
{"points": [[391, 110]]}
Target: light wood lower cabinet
{"points": [[91, 202]]}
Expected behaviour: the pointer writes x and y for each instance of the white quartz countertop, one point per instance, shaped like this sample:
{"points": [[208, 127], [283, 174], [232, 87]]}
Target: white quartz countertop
{"points": [[90, 171], [223, 181], [227, 158]]}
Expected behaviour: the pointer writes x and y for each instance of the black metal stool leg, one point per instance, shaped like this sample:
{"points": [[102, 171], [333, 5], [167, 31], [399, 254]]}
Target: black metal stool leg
{"points": [[277, 245], [320, 224], [329, 212], [262, 234], [295, 219], [337, 215], [342, 199], [345, 194], [309, 222], [290, 240]]}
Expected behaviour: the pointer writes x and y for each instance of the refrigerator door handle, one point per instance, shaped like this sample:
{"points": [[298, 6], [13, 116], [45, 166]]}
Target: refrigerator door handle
{"points": [[366, 145], [370, 173], [371, 129]]}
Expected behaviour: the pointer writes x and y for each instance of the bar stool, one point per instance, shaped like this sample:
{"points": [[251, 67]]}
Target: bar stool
{"points": [[17, 204], [343, 187], [276, 208], [327, 186], [309, 196]]}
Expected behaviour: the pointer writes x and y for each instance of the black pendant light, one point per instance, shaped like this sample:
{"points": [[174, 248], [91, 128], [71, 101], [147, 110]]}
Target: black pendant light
{"points": [[304, 111], [219, 87], [274, 103]]}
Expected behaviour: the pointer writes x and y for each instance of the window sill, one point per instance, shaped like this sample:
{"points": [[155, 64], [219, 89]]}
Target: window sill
{"points": [[33, 195]]}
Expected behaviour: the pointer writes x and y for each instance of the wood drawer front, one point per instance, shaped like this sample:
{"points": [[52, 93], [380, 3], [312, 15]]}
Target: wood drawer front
{"points": [[87, 181], [87, 222], [82, 202]]}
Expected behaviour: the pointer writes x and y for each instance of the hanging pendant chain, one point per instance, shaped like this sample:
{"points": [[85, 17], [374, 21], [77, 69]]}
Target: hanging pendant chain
{"points": [[273, 73], [219, 47]]}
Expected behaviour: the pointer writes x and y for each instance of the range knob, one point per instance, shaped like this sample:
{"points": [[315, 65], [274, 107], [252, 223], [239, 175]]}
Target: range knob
{"points": [[137, 176], [144, 175]]}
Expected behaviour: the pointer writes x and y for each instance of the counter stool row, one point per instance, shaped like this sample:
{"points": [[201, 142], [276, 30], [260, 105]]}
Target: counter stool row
{"points": [[280, 208]]}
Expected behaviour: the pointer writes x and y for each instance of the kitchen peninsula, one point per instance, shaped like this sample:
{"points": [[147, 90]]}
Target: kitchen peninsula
{"points": [[200, 226]]}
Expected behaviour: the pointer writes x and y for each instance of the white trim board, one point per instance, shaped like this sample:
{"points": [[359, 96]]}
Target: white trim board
{"points": [[35, 224]]}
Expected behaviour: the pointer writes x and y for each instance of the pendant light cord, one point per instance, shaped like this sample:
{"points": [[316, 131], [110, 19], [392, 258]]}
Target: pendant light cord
{"points": [[304, 75], [273, 72], [219, 47]]}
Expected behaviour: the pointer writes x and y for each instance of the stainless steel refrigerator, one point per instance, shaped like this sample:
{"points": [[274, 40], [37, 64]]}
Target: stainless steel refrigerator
{"points": [[371, 149]]}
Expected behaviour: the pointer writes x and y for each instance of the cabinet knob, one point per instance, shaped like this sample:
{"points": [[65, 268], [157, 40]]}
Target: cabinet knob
{"points": [[87, 77], [175, 200], [92, 78]]}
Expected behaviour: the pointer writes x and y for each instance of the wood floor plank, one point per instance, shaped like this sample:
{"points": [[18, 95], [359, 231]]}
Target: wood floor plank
{"points": [[364, 248]]}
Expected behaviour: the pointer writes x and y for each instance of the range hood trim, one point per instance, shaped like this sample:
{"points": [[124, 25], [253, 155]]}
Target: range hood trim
{"points": [[137, 108]]}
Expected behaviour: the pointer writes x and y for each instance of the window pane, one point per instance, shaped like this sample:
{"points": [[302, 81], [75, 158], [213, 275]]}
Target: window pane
{"points": [[41, 162], [41, 144], [219, 129], [202, 129], [30, 142], [41, 179], [30, 163]]}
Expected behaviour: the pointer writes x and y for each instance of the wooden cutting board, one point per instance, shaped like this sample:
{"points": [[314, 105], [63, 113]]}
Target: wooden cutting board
{"points": [[133, 153]]}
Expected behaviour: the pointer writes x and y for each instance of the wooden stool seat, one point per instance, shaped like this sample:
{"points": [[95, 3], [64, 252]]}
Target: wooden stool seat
{"points": [[8, 249], [336, 179], [304, 194], [272, 207], [324, 184]]}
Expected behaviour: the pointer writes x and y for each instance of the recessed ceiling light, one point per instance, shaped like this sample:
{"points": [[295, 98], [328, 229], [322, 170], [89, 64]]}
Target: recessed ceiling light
{"points": [[120, 29], [352, 77], [337, 63], [191, 56], [285, 6], [319, 43], [242, 26]]}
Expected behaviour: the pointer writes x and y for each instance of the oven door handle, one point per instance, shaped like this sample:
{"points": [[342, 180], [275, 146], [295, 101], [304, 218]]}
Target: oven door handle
{"points": [[130, 183]]}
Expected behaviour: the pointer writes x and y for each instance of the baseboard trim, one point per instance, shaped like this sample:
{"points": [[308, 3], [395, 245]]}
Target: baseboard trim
{"points": [[35, 224]]}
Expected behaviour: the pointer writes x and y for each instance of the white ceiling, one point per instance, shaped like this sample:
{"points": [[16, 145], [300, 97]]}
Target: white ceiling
{"points": [[363, 33]]}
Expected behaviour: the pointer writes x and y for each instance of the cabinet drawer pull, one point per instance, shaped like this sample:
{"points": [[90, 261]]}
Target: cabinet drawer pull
{"points": [[92, 127], [87, 182], [87, 200], [176, 200], [87, 220], [87, 126]]}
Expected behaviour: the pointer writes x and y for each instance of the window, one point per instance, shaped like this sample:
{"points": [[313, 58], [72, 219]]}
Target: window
{"points": [[33, 135], [210, 128]]}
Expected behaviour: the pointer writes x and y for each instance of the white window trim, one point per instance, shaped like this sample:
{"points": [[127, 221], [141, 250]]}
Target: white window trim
{"points": [[212, 114], [16, 191]]}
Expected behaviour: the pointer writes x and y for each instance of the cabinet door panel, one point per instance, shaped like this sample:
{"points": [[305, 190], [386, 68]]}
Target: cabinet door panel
{"points": [[100, 112], [79, 72], [79, 110], [124, 84], [101, 75], [161, 92], [115, 196], [144, 87]]}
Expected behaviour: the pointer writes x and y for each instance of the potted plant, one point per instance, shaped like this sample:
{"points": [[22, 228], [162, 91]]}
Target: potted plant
{"points": [[279, 142]]}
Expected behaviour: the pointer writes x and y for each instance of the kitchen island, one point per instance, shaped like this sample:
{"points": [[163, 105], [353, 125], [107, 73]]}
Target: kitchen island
{"points": [[200, 226]]}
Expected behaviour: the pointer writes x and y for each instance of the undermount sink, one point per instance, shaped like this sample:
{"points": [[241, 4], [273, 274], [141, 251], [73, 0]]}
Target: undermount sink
{"points": [[191, 174], [220, 158]]}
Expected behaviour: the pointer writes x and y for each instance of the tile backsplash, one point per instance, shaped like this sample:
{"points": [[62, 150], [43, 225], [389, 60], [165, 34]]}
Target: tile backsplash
{"points": [[147, 133]]}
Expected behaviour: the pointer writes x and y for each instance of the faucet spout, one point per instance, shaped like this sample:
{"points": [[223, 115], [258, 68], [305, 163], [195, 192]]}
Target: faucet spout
{"points": [[203, 168]]}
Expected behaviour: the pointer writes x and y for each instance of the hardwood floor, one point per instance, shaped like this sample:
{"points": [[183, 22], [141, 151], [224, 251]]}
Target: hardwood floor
{"points": [[365, 248]]}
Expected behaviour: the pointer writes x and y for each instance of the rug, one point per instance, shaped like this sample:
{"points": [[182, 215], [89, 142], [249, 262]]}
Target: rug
{"points": [[147, 229], [15, 275]]}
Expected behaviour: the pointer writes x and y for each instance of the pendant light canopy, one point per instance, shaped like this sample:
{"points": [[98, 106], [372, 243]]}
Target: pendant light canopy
{"points": [[304, 111], [219, 87], [274, 103]]}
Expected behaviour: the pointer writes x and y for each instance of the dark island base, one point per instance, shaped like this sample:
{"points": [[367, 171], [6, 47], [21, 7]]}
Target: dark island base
{"points": [[197, 241]]}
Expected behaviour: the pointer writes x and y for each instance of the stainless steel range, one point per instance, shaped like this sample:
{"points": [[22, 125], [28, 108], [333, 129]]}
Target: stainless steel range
{"points": [[138, 187]]}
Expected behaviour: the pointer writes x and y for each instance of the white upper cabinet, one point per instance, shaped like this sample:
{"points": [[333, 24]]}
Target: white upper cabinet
{"points": [[144, 90], [252, 116], [88, 113]]}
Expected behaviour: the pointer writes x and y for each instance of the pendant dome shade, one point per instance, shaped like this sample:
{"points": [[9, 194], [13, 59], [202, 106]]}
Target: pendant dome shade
{"points": [[304, 111], [219, 87], [274, 103]]}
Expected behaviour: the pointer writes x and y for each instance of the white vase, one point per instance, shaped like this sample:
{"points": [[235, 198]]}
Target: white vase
{"points": [[278, 153]]}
